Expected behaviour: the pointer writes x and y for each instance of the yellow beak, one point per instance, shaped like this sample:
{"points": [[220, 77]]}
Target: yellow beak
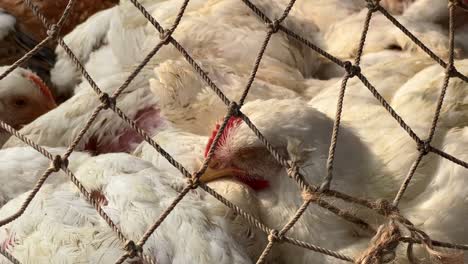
{"points": [[213, 174]]}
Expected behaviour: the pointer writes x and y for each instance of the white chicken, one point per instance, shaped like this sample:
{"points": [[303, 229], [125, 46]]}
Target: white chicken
{"points": [[189, 104], [437, 12], [398, 151], [432, 11], [382, 35], [117, 34], [122, 37], [186, 148], [237, 35], [189, 149], [330, 73], [436, 210], [23, 98], [64, 74], [324, 13], [23, 166], [108, 133], [445, 191], [371, 121], [79, 108], [303, 134], [421, 92], [107, 42], [134, 194]]}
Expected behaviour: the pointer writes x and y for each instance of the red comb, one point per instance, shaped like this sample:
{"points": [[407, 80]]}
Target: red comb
{"points": [[42, 87], [232, 123]]}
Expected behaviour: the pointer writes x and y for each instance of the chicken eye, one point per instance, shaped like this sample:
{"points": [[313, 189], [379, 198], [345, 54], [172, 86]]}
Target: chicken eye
{"points": [[20, 102], [246, 153]]}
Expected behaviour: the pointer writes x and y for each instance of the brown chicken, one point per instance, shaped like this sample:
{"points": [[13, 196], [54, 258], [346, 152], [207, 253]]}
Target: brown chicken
{"points": [[21, 30], [52, 9]]}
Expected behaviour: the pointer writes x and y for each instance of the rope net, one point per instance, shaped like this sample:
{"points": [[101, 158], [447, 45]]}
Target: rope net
{"points": [[386, 238]]}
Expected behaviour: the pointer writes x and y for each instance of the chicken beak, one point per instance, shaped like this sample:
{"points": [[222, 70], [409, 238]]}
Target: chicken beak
{"points": [[213, 174]]}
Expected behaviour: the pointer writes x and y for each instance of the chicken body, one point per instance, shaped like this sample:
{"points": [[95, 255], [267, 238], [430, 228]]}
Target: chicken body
{"points": [[197, 108], [128, 41], [289, 124], [445, 191], [237, 35], [134, 194], [27, 165], [383, 34], [108, 133], [371, 121], [188, 149]]}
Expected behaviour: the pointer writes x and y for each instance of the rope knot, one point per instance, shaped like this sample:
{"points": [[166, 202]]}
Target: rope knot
{"points": [[373, 5], [165, 37], [132, 248], [309, 195], [383, 245], [274, 26], [106, 100], [385, 207], [424, 147], [194, 181], [53, 31], [450, 70], [58, 163], [274, 236], [351, 70], [234, 109], [452, 3]]}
